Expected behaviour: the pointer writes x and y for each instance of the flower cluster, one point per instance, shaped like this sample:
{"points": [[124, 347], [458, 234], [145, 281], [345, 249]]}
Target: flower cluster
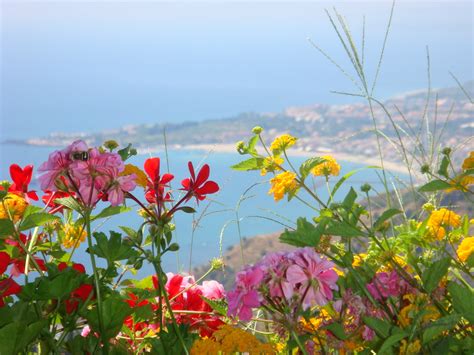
{"points": [[292, 281], [284, 183], [329, 167], [439, 220], [282, 143]]}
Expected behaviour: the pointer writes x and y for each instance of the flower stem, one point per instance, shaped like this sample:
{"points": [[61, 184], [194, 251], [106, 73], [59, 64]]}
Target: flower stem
{"points": [[87, 220]]}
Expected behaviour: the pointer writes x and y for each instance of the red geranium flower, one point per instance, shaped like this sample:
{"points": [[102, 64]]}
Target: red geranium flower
{"points": [[8, 287], [21, 179], [80, 294], [4, 261], [156, 183], [78, 267], [199, 186]]}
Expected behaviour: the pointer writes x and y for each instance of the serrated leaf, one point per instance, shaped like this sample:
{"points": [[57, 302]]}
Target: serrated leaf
{"points": [[308, 165], [219, 306], [435, 185], [439, 326], [36, 219], [433, 275], [113, 249], [114, 311], [462, 300], [344, 229], [386, 215], [70, 203], [249, 164], [6, 228], [306, 234], [111, 211]]}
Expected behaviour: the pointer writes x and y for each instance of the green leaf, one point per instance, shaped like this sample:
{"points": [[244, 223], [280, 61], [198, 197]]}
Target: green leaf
{"points": [[220, 306], [114, 311], [433, 275], [111, 211], [439, 326], [70, 203], [6, 228], [435, 185], [252, 143], [347, 176], [462, 299], [112, 249], [443, 167], [350, 199], [249, 164], [306, 234], [344, 229], [392, 340], [127, 152], [386, 216], [186, 209], [36, 219], [381, 327], [16, 336], [337, 329], [308, 165]]}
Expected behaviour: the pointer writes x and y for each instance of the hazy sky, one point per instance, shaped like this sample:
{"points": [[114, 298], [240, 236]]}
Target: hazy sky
{"points": [[73, 65]]}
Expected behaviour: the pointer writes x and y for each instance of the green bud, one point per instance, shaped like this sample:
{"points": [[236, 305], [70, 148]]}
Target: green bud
{"points": [[173, 247], [257, 130], [446, 151], [365, 188], [240, 146], [429, 207], [425, 169], [217, 264], [110, 144]]}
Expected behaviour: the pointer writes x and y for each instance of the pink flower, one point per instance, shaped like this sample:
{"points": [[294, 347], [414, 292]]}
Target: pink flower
{"points": [[58, 164], [119, 186], [245, 296], [385, 285], [314, 277], [85, 331], [212, 290]]}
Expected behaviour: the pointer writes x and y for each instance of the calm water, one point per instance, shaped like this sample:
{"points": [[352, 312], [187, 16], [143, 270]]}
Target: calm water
{"points": [[214, 214]]}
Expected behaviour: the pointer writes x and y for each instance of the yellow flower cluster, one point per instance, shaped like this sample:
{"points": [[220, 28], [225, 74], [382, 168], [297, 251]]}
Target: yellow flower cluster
{"points": [[73, 235], [12, 206], [465, 249], [329, 167], [439, 219], [283, 183], [410, 312], [130, 169], [461, 183], [282, 142], [271, 164], [359, 259], [229, 340]]}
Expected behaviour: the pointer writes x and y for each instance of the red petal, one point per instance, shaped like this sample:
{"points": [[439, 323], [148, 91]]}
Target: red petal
{"points": [[191, 170], [152, 168], [166, 178], [27, 173], [62, 266], [32, 195], [186, 183], [203, 175], [210, 187], [17, 175], [79, 268], [4, 261], [155, 281], [9, 287]]}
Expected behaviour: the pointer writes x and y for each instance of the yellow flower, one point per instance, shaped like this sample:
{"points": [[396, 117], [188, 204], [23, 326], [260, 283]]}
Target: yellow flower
{"points": [[283, 183], [329, 167], [461, 183], [229, 340], [468, 163], [12, 207], [413, 347], [73, 235], [444, 217], [358, 259], [465, 249], [130, 169], [271, 164], [282, 142]]}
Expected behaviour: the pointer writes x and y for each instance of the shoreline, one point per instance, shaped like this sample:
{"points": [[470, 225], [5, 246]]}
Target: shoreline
{"points": [[230, 148]]}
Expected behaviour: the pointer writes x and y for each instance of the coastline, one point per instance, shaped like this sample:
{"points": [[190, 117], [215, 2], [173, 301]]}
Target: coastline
{"points": [[230, 148]]}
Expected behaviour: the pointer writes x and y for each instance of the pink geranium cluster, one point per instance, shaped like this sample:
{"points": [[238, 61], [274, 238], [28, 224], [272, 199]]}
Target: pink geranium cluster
{"points": [[387, 284], [286, 281], [87, 173]]}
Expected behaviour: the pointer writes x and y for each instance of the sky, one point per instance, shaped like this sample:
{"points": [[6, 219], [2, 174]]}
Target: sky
{"points": [[88, 66]]}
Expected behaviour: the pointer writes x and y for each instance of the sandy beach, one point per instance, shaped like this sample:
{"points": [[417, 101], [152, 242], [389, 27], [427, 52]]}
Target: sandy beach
{"points": [[369, 161]]}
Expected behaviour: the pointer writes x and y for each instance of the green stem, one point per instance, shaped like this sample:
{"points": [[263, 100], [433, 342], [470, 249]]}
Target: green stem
{"points": [[96, 281], [298, 341]]}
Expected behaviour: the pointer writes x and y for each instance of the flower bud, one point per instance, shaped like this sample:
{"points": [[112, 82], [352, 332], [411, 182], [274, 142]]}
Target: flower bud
{"points": [[257, 130], [110, 144], [217, 263], [365, 188], [428, 207], [240, 146], [446, 151], [425, 169]]}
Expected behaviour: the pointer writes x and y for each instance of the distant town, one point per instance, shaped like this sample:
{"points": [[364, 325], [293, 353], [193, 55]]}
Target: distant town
{"points": [[416, 121]]}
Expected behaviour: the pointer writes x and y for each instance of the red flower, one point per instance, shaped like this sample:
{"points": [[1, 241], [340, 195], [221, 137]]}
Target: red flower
{"points": [[80, 294], [21, 179], [8, 287], [156, 183], [199, 186], [4, 261], [78, 267], [18, 267]]}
